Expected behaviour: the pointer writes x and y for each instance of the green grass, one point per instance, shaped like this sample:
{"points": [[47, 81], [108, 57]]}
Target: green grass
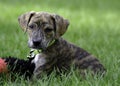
{"points": [[94, 26]]}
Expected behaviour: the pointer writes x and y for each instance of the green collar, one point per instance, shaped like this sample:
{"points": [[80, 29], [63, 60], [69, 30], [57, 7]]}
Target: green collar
{"points": [[37, 51], [51, 43], [33, 53]]}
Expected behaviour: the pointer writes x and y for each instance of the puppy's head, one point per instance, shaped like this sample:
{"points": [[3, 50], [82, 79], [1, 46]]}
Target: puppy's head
{"points": [[42, 28]]}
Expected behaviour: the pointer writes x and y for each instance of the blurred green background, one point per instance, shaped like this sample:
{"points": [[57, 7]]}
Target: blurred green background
{"points": [[94, 26]]}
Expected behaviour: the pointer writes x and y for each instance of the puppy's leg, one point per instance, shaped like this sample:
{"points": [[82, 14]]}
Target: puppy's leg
{"points": [[40, 62]]}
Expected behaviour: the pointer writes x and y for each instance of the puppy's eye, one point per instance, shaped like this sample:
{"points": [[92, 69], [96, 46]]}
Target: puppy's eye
{"points": [[47, 30], [32, 26]]}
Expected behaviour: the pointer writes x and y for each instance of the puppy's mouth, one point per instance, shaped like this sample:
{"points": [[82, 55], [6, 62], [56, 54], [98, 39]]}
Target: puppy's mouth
{"points": [[36, 45]]}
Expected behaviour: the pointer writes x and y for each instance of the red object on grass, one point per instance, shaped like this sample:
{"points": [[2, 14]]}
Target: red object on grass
{"points": [[3, 66]]}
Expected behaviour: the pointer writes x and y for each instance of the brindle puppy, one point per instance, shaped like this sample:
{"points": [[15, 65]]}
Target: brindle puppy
{"points": [[44, 32]]}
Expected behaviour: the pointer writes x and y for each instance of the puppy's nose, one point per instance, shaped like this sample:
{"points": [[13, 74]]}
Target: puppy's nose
{"points": [[36, 43]]}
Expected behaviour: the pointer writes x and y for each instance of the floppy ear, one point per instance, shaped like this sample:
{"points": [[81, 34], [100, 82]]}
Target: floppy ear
{"points": [[24, 19], [61, 25]]}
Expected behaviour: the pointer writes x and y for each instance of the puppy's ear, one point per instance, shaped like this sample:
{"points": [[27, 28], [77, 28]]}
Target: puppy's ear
{"points": [[61, 25], [24, 19]]}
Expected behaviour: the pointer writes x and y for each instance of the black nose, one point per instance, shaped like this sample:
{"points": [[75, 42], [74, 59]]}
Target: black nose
{"points": [[36, 43]]}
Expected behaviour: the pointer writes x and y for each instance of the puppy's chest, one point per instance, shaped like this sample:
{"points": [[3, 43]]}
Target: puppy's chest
{"points": [[39, 60]]}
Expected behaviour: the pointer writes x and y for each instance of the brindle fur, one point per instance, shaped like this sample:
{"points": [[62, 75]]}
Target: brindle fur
{"points": [[42, 28]]}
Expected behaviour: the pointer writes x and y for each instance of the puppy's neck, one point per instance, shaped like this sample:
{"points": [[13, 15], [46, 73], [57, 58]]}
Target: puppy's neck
{"points": [[60, 47]]}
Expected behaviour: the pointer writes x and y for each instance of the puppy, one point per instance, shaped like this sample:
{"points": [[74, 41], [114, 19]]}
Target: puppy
{"points": [[44, 34]]}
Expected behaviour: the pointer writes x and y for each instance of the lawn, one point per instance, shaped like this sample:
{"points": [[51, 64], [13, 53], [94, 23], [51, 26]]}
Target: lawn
{"points": [[94, 26]]}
